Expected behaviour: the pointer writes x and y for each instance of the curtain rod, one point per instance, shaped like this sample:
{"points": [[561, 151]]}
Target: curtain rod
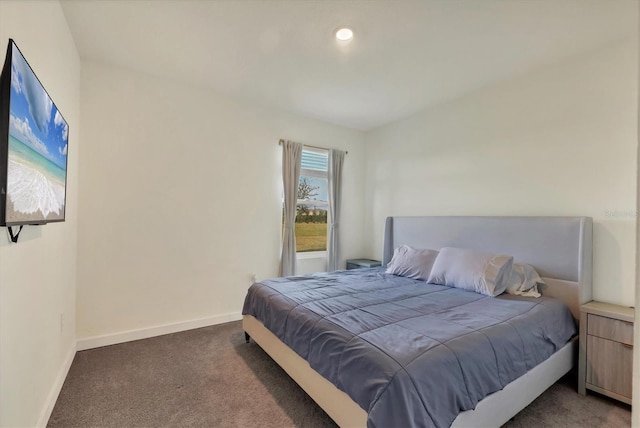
{"points": [[313, 147]]}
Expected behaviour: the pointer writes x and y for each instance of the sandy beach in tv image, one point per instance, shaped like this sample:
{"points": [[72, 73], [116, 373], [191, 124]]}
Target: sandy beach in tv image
{"points": [[36, 186], [38, 135]]}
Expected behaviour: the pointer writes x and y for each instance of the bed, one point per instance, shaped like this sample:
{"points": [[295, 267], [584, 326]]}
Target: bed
{"points": [[331, 347]]}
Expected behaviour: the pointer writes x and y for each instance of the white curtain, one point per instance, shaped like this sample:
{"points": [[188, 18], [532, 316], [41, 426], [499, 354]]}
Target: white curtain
{"points": [[336, 160], [291, 156]]}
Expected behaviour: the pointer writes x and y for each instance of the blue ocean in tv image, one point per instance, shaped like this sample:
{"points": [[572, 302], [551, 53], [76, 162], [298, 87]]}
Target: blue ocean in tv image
{"points": [[38, 136]]}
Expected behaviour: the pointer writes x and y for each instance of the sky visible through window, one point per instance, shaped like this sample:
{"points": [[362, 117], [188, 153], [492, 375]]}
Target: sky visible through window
{"points": [[316, 162]]}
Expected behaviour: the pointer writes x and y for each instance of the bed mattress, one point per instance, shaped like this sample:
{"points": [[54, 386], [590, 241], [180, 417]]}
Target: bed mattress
{"points": [[409, 353]]}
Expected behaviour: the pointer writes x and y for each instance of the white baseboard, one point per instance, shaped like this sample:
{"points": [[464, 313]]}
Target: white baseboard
{"points": [[144, 333], [45, 414]]}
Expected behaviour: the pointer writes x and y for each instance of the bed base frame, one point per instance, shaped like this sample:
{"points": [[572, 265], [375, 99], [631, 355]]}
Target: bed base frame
{"points": [[559, 247]]}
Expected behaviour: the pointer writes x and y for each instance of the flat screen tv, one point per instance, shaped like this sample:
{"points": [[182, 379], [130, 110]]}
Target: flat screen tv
{"points": [[33, 147]]}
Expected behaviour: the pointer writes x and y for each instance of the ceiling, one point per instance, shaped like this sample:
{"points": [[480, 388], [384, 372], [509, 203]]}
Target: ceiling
{"points": [[405, 55]]}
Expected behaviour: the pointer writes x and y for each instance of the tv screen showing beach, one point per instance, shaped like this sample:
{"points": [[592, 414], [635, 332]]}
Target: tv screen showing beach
{"points": [[37, 154]]}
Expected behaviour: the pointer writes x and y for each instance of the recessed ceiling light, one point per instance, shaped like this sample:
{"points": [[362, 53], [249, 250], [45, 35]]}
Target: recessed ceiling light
{"points": [[344, 34]]}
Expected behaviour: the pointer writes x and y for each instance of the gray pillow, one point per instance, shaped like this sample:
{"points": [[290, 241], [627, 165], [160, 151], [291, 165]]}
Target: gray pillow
{"points": [[523, 281], [411, 262], [483, 273]]}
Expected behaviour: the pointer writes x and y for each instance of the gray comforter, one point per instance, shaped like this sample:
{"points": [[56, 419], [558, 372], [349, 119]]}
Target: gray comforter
{"points": [[411, 354]]}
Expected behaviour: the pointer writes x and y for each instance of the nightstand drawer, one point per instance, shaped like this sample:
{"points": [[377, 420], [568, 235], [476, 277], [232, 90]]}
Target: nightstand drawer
{"points": [[609, 328], [609, 367]]}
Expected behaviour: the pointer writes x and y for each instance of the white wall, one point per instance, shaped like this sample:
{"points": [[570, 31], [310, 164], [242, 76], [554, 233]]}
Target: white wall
{"points": [[635, 416], [38, 275], [557, 141], [181, 199]]}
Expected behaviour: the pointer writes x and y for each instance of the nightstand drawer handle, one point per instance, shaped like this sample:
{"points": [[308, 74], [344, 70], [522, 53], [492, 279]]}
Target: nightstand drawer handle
{"points": [[626, 345]]}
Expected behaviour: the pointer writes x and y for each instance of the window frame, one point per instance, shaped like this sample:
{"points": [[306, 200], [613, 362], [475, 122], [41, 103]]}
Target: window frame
{"points": [[314, 173]]}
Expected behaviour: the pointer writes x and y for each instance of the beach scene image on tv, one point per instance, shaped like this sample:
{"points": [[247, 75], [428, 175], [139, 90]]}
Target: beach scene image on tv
{"points": [[38, 136]]}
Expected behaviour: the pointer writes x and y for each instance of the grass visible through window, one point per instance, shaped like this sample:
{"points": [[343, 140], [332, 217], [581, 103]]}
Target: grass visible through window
{"points": [[311, 237]]}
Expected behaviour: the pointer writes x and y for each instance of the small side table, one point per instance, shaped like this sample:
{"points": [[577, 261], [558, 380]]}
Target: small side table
{"points": [[362, 263], [606, 350]]}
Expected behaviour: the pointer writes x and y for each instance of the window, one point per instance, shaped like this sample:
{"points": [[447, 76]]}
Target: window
{"points": [[311, 212]]}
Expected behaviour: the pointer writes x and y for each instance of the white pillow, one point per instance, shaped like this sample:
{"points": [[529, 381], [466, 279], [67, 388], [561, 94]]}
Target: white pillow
{"points": [[524, 281], [483, 273], [411, 262]]}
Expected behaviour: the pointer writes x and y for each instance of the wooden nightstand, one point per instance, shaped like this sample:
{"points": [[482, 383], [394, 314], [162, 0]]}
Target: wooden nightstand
{"points": [[606, 350], [362, 263]]}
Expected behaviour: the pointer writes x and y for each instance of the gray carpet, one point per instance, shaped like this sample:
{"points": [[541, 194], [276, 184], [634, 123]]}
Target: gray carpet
{"points": [[209, 377]]}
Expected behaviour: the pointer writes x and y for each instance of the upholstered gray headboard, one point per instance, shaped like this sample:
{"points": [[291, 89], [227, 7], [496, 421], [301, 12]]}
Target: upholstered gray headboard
{"points": [[559, 248]]}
